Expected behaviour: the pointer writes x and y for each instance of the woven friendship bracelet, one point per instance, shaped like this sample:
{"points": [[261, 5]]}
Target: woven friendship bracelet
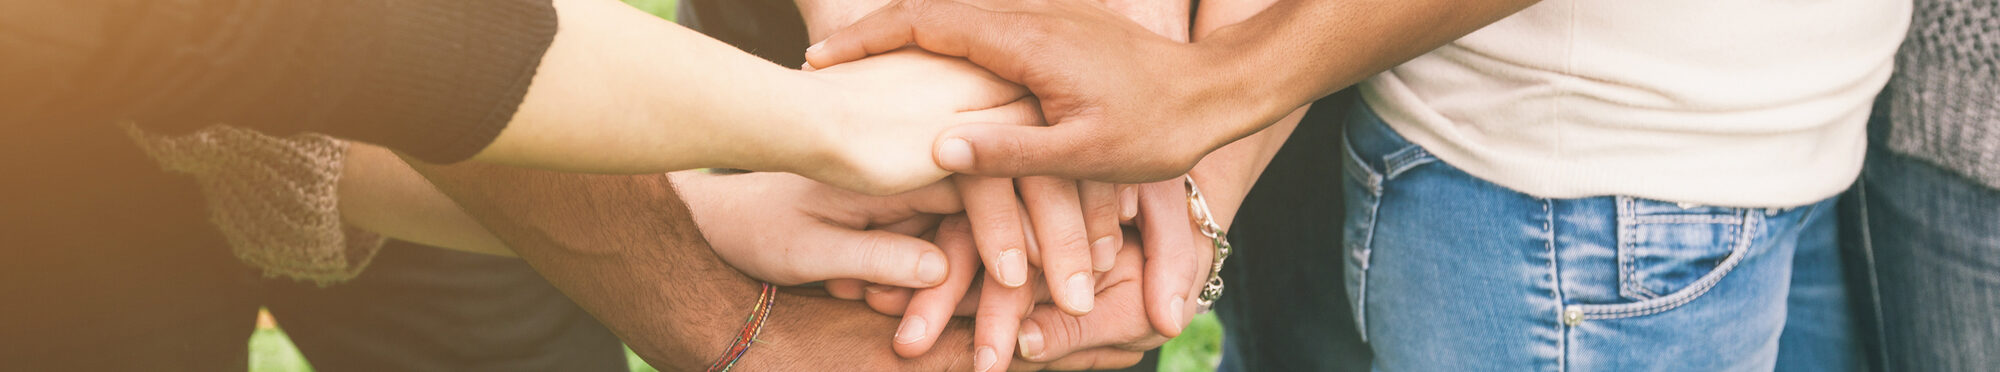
{"points": [[751, 327]]}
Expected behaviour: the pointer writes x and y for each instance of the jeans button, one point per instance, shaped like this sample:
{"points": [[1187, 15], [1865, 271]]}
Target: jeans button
{"points": [[1572, 316]]}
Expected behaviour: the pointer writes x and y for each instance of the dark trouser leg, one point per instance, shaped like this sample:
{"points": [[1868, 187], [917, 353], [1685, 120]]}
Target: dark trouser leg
{"points": [[1286, 308], [1935, 241], [109, 264], [419, 308]]}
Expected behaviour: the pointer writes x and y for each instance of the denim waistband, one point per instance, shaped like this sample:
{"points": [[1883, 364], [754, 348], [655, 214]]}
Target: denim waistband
{"points": [[1379, 151]]}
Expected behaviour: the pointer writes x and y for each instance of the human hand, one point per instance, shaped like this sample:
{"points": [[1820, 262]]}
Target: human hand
{"points": [[1126, 105], [1068, 228], [892, 108], [1110, 337], [821, 232]]}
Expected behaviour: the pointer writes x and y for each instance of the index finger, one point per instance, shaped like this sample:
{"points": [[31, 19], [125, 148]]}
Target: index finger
{"points": [[887, 28]]}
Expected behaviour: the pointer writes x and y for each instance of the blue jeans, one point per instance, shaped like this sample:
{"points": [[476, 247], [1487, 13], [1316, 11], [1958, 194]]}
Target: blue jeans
{"points": [[1932, 241], [1448, 272]]}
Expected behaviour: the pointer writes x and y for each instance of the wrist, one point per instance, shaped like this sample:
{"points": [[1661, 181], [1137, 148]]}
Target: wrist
{"points": [[802, 132], [1231, 62]]}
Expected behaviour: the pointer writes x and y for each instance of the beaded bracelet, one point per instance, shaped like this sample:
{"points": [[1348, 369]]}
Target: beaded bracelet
{"points": [[748, 336]]}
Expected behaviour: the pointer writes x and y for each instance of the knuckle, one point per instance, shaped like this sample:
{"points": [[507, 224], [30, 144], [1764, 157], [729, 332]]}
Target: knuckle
{"points": [[871, 249], [1103, 210], [1015, 153], [1067, 332], [1071, 240], [999, 237]]}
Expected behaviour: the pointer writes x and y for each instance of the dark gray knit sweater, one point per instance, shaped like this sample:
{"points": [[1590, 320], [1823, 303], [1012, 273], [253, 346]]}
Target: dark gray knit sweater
{"points": [[1945, 101]]}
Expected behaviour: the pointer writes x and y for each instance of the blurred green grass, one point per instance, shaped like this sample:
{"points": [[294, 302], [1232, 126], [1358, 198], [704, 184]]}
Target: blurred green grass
{"points": [[1197, 349]]}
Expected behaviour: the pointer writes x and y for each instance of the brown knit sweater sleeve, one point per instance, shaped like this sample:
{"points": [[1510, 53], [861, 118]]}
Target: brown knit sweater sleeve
{"points": [[436, 79]]}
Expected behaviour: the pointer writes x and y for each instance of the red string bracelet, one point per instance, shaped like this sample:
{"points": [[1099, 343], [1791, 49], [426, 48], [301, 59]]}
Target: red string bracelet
{"points": [[751, 327]]}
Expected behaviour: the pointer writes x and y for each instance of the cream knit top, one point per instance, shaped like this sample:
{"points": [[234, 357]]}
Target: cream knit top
{"points": [[1748, 103]]}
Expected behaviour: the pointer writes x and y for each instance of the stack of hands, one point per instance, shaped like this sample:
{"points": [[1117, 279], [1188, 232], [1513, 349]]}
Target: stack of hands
{"points": [[1058, 272], [1019, 163]]}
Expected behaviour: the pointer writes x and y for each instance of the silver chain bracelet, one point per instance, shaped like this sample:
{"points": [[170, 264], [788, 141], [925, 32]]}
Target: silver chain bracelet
{"points": [[1198, 212]]}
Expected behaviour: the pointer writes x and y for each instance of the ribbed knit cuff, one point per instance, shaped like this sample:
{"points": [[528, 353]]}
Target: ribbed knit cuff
{"points": [[445, 76]]}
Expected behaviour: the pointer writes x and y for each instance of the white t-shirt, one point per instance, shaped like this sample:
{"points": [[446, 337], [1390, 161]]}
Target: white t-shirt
{"points": [[1747, 103]]}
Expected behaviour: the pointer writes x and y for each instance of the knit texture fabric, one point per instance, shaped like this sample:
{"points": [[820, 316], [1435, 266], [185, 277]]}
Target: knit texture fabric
{"points": [[1945, 97], [275, 200]]}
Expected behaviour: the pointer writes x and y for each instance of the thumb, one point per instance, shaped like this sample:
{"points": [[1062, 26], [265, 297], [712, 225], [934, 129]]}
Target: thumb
{"points": [[1010, 151], [875, 256]]}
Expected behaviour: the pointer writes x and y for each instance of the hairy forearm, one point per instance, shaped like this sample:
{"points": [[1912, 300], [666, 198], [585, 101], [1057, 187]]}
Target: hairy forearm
{"points": [[628, 251], [623, 247], [1301, 50]]}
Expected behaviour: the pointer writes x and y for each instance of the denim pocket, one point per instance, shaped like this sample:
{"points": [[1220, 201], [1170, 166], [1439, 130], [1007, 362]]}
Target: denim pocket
{"points": [[1670, 254]]}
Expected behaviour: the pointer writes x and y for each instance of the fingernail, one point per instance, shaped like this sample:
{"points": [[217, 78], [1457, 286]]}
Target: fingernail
{"points": [[1081, 292], [876, 288], [1101, 245], [1176, 309], [815, 46], [1013, 268], [1031, 339], [954, 154], [983, 359], [1128, 204], [808, 66], [930, 268], [911, 331]]}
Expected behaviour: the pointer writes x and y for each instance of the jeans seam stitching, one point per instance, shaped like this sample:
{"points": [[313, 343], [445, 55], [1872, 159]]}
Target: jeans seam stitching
{"points": [[1405, 159], [1736, 256], [1555, 275], [1367, 250], [1628, 278], [1368, 176]]}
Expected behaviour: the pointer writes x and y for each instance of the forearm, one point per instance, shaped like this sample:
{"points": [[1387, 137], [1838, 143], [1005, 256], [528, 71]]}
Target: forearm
{"points": [[623, 247], [1300, 50], [622, 91], [627, 250], [380, 193]]}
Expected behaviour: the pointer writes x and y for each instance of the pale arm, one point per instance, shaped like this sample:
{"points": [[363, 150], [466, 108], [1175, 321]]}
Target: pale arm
{"points": [[622, 91], [380, 193]]}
